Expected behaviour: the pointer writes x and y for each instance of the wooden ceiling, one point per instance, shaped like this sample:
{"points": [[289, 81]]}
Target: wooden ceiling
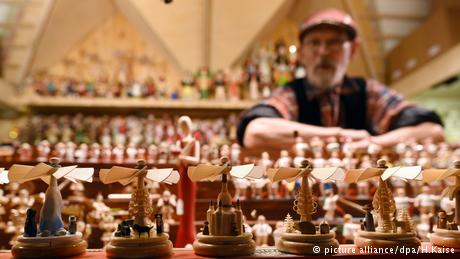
{"points": [[216, 33]]}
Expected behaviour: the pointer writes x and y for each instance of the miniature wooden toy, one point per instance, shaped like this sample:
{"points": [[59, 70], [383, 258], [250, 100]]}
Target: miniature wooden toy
{"points": [[317, 145], [123, 243], [279, 230], [18, 212], [350, 229], [261, 231], [425, 201], [401, 199], [51, 239], [3, 176], [424, 227], [43, 150], [241, 185], [227, 236], [284, 161], [304, 238], [167, 204], [266, 162], [387, 232], [25, 152], [330, 203], [447, 234]]}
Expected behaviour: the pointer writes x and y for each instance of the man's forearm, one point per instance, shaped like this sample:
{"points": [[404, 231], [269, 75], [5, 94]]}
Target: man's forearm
{"points": [[279, 133], [418, 132]]}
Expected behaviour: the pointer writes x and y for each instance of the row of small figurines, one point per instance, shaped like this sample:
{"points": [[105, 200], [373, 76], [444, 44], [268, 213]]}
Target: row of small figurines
{"points": [[164, 153], [116, 130], [339, 153], [258, 72], [223, 89]]}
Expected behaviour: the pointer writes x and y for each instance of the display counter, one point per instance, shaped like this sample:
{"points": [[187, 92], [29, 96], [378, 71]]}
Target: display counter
{"points": [[348, 251]]}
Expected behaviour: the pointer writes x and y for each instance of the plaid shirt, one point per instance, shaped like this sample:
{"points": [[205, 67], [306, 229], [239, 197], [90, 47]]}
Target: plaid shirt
{"points": [[385, 110], [383, 104]]}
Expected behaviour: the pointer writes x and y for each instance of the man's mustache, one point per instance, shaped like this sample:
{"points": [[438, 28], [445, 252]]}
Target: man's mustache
{"points": [[325, 63]]}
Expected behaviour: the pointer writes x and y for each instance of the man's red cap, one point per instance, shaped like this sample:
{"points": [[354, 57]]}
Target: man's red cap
{"points": [[331, 17]]}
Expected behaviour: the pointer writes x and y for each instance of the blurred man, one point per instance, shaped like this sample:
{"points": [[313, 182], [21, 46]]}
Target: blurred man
{"points": [[328, 103]]}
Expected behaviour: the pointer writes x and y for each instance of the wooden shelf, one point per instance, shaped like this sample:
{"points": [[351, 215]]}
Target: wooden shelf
{"points": [[206, 108]]}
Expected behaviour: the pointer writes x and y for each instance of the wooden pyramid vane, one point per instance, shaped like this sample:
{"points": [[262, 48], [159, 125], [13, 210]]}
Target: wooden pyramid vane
{"points": [[24, 173], [206, 172]]}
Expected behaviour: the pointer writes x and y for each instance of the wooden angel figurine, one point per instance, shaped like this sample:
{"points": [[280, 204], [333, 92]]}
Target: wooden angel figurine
{"points": [[189, 155]]}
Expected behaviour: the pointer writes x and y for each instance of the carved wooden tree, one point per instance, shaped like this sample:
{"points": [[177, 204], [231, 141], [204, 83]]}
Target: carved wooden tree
{"points": [[304, 204], [289, 224], [384, 206], [140, 204]]}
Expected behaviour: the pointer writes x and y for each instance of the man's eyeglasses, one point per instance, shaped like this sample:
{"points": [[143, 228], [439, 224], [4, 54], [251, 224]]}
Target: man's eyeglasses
{"points": [[331, 45]]}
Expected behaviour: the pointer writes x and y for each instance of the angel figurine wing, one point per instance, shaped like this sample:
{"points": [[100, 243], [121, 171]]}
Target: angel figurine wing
{"points": [[3, 176], [164, 175], [212, 172], [250, 171], [23, 173], [284, 173], [205, 172], [406, 172], [329, 173], [81, 174], [430, 175], [123, 175], [357, 175], [291, 174]]}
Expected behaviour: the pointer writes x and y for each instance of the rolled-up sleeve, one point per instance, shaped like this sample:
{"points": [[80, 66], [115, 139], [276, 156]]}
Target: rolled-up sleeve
{"points": [[414, 115], [386, 110], [281, 104]]}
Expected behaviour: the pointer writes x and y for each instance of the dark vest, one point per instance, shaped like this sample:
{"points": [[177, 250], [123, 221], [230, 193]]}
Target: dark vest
{"points": [[353, 106]]}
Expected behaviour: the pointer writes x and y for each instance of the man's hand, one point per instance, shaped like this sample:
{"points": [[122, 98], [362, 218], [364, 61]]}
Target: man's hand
{"points": [[361, 144], [353, 134]]}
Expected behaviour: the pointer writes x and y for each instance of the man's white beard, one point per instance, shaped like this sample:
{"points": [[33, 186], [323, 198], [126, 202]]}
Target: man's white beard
{"points": [[324, 82], [327, 81]]}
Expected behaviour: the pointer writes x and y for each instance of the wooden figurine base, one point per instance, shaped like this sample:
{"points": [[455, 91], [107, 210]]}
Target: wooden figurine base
{"points": [[219, 246], [49, 247], [133, 247], [446, 238], [386, 240], [307, 244]]}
